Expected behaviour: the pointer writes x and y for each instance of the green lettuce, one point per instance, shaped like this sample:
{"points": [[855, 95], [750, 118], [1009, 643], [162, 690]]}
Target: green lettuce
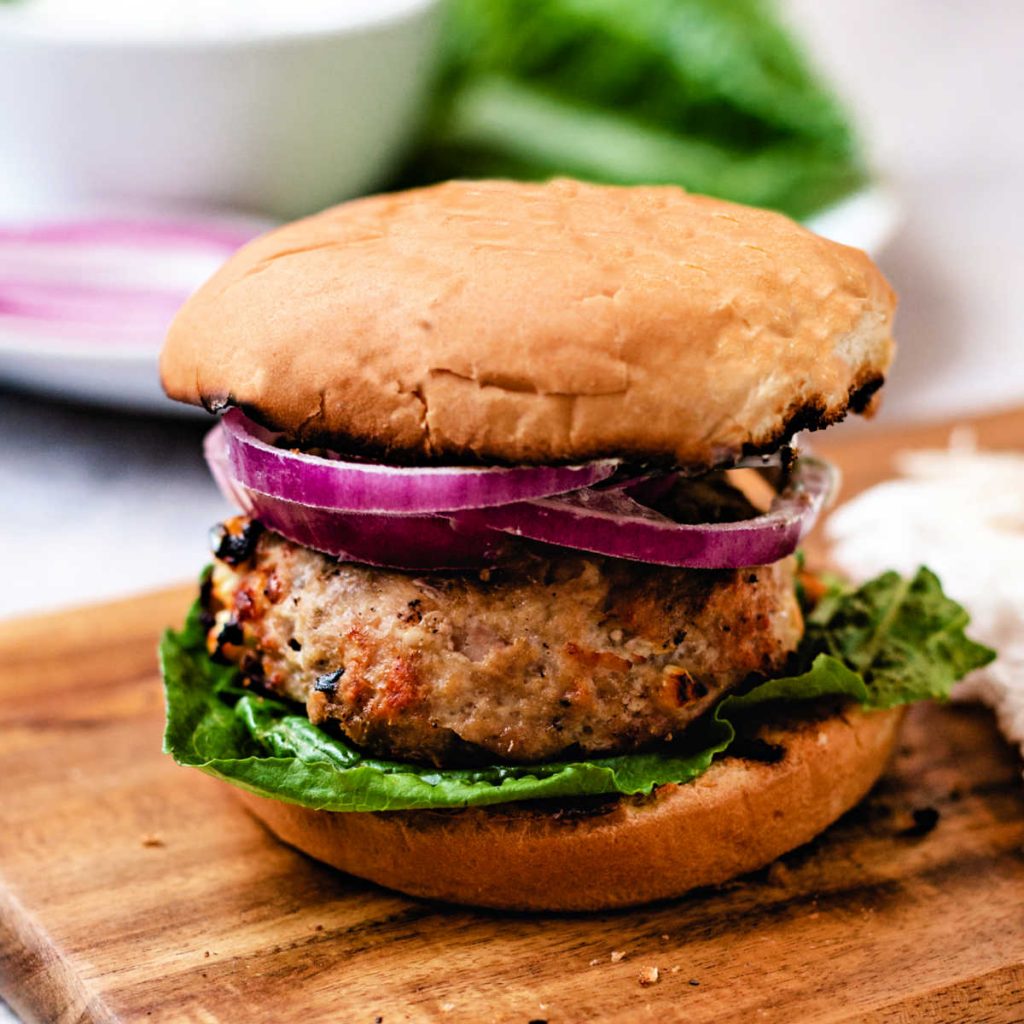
{"points": [[892, 641], [714, 95]]}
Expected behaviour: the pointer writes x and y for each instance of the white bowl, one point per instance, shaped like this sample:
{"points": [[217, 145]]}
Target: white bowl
{"points": [[270, 119]]}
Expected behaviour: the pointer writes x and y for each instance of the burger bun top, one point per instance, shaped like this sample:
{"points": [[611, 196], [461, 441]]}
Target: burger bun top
{"points": [[535, 323]]}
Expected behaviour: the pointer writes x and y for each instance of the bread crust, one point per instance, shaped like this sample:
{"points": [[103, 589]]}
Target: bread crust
{"points": [[737, 817], [528, 323]]}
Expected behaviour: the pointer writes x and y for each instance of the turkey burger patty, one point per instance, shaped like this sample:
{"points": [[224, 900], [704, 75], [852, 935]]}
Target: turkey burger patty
{"points": [[557, 653]]}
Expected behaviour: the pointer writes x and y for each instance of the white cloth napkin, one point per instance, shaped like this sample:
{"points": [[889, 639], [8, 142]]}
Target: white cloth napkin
{"points": [[961, 513]]}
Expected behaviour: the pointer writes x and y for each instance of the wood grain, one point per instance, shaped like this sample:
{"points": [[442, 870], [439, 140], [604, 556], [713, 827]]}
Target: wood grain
{"points": [[133, 890]]}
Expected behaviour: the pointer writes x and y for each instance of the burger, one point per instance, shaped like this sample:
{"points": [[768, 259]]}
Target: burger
{"points": [[513, 611]]}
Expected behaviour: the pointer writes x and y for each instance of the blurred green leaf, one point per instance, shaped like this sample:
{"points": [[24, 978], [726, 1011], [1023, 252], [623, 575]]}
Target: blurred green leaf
{"points": [[710, 94]]}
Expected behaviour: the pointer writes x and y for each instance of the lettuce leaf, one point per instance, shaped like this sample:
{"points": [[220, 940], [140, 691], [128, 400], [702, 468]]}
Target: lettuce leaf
{"points": [[903, 636], [714, 95], [893, 641]]}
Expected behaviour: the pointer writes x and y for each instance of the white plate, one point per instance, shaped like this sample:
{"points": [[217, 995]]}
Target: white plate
{"points": [[867, 220], [152, 265]]}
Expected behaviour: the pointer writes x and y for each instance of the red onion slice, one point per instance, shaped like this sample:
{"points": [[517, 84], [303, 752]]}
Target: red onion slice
{"points": [[610, 522], [115, 281], [606, 521], [399, 542], [373, 487], [215, 451]]}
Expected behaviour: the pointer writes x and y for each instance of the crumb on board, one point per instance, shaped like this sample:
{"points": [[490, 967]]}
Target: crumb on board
{"points": [[151, 839], [595, 961], [649, 976], [676, 970], [925, 819], [447, 1007], [618, 955], [665, 938]]}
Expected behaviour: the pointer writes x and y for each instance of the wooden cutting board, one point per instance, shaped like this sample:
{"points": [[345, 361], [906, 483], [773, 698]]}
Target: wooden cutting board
{"points": [[133, 890]]}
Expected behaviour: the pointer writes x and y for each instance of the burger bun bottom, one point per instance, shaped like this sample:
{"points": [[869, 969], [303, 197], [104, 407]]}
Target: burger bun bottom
{"points": [[737, 817]]}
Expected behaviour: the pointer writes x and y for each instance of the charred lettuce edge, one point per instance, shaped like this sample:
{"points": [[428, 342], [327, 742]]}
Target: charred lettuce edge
{"points": [[892, 641]]}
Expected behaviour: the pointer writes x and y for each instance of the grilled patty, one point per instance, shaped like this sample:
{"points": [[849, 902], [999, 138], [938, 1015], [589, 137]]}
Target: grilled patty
{"points": [[562, 654]]}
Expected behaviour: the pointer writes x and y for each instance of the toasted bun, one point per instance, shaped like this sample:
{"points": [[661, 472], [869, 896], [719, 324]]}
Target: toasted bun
{"points": [[510, 322], [738, 816]]}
